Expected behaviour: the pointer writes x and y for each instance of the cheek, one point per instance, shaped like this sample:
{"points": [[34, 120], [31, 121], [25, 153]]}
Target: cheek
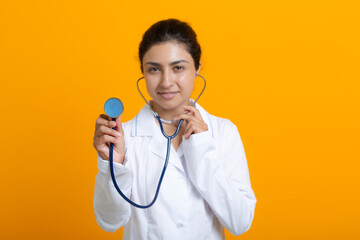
{"points": [[187, 84], [151, 86]]}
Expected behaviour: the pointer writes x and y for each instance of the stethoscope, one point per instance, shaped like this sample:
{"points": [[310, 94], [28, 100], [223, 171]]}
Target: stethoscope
{"points": [[114, 108]]}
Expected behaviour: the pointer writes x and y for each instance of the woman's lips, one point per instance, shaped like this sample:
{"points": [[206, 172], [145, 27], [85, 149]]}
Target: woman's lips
{"points": [[168, 95]]}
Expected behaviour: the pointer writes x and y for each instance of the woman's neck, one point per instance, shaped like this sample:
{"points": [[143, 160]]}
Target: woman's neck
{"points": [[169, 114]]}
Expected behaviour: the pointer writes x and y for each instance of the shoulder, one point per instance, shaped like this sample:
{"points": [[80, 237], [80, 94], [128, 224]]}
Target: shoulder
{"points": [[222, 126], [227, 136], [218, 126], [127, 127], [140, 125], [222, 122]]}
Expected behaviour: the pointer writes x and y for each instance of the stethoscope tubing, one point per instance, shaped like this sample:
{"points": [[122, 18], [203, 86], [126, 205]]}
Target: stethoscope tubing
{"points": [[167, 151], [162, 173]]}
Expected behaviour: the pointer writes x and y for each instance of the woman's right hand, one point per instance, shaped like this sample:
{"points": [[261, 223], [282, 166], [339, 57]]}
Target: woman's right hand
{"points": [[104, 135]]}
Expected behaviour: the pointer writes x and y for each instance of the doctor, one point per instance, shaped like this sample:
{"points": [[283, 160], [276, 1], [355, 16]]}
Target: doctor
{"points": [[206, 186]]}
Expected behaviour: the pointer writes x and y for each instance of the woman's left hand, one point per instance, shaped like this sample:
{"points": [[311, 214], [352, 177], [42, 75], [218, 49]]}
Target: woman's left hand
{"points": [[193, 121]]}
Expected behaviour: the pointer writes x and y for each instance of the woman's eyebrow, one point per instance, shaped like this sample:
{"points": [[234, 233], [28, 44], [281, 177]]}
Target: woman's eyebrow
{"points": [[172, 63]]}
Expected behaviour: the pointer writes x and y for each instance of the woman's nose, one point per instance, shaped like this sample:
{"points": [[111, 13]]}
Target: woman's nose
{"points": [[166, 79]]}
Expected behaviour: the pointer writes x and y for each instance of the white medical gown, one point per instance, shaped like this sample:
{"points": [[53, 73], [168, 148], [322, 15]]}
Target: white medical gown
{"points": [[206, 186]]}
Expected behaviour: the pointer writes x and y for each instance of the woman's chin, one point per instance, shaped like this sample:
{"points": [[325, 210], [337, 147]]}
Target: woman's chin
{"points": [[169, 105]]}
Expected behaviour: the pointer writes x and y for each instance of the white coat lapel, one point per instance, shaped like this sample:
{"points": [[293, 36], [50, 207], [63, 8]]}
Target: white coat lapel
{"points": [[144, 125]]}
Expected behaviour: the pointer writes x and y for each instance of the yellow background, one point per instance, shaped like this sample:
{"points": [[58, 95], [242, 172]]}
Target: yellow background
{"points": [[285, 72]]}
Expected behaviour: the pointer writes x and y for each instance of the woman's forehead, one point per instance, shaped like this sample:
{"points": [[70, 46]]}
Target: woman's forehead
{"points": [[167, 52]]}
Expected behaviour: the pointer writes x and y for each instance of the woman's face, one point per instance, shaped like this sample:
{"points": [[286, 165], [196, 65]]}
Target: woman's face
{"points": [[169, 72]]}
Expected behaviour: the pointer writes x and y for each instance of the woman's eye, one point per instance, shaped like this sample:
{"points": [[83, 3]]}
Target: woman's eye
{"points": [[154, 69], [179, 67]]}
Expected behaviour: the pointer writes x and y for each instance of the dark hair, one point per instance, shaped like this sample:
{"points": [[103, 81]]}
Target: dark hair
{"points": [[171, 30]]}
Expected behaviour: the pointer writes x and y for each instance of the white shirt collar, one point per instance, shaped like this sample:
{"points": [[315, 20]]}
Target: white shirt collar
{"points": [[143, 123]]}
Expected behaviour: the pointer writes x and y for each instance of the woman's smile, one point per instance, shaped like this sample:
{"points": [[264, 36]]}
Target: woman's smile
{"points": [[168, 95]]}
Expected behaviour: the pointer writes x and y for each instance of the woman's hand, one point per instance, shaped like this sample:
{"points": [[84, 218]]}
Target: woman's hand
{"points": [[193, 121], [104, 135]]}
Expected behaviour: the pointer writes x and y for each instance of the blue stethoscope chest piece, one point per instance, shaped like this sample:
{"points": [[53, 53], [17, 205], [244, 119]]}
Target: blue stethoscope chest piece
{"points": [[113, 107]]}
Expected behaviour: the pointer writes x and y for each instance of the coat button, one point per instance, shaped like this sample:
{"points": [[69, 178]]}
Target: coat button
{"points": [[179, 225]]}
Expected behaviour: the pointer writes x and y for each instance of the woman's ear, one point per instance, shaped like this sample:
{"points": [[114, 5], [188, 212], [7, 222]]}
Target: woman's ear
{"points": [[197, 71]]}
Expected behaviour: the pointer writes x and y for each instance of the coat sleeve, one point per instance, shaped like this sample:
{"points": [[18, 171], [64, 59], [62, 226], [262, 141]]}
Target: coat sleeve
{"points": [[111, 210], [219, 171]]}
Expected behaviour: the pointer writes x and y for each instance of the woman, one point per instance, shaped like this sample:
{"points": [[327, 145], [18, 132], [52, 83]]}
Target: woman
{"points": [[206, 186]]}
